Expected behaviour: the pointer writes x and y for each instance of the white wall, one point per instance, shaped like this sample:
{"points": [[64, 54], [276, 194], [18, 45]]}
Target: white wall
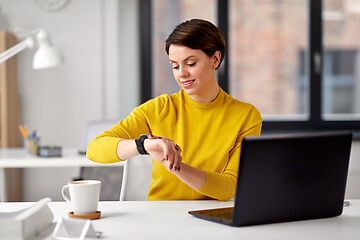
{"points": [[98, 80]]}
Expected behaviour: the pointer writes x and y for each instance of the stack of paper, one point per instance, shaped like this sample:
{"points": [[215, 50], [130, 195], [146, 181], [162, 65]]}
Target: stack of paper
{"points": [[27, 223]]}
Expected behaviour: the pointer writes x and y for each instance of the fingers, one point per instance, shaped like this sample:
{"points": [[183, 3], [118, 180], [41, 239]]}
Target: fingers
{"points": [[171, 153], [150, 136], [177, 147], [153, 137], [177, 158], [178, 161]]}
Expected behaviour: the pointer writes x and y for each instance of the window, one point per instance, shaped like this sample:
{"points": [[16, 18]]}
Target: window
{"points": [[295, 60], [341, 24], [339, 84], [167, 15], [264, 41], [339, 93]]}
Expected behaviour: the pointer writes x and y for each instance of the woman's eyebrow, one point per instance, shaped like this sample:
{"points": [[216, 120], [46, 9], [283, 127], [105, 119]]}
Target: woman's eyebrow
{"points": [[183, 60]]}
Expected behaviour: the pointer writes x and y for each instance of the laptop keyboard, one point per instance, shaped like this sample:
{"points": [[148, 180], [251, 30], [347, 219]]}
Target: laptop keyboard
{"points": [[224, 215], [228, 216]]}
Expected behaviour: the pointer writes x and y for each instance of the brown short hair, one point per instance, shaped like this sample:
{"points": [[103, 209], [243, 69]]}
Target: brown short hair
{"points": [[198, 34]]}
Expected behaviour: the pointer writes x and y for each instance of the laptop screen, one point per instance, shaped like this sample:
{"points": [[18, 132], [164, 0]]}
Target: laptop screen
{"points": [[292, 176]]}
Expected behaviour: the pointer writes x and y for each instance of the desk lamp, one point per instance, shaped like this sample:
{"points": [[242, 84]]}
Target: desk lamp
{"points": [[45, 57]]}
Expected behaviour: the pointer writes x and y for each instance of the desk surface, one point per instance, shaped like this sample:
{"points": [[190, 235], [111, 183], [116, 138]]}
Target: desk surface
{"points": [[170, 220], [18, 158]]}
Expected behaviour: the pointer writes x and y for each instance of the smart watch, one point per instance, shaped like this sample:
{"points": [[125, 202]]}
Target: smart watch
{"points": [[140, 144]]}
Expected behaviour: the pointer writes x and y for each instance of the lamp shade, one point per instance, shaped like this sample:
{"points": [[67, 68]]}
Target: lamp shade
{"points": [[46, 56]]}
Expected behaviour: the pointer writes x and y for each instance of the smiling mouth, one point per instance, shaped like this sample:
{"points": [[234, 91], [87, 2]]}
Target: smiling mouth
{"points": [[186, 83]]}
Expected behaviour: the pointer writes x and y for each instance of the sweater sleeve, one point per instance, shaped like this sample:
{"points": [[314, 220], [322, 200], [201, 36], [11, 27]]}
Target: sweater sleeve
{"points": [[103, 149], [222, 186]]}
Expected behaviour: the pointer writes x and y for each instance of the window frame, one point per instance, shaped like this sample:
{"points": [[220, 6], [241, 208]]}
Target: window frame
{"points": [[314, 65]]}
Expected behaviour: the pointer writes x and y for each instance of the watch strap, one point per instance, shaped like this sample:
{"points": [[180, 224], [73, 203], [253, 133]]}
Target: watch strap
{"points": [[140, 144]]}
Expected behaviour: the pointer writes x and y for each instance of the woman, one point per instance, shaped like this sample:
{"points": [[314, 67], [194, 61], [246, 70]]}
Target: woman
{"points": [[194, 136]]}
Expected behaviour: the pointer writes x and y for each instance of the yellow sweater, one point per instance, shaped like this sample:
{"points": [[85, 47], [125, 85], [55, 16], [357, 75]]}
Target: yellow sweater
{"points": [[209, 135]]}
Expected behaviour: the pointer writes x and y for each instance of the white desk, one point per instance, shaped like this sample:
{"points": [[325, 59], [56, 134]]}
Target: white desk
{"points": [[18, 158], [170, 220]]}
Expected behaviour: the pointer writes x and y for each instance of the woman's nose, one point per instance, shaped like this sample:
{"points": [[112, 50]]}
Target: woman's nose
{"points": [[184, 72]]}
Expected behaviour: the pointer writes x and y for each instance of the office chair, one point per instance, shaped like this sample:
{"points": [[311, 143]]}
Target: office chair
{"points": [[137, 178], [110, 177], [128, 183]]}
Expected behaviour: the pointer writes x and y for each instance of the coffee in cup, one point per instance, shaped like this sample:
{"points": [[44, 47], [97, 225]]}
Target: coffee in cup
{"points": [[83, 195]]}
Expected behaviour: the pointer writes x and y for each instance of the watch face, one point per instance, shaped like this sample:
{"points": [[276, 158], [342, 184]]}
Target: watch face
{"points": [[52, 5]]}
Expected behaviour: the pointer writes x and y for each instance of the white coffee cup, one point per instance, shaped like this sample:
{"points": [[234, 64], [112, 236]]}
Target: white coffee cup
{"points": [[83, 195]]}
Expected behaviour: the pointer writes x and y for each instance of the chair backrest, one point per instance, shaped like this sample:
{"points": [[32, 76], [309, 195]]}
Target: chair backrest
{"points": [[136, 173], [136, 178], [93, 129], [111, 177]]}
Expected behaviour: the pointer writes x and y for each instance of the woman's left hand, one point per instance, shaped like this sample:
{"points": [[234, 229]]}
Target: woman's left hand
{"points": [[165, 151]]}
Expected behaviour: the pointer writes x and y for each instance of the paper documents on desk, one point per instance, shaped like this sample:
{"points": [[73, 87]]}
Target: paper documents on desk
{"points": [[75, 229], [26, 223]]}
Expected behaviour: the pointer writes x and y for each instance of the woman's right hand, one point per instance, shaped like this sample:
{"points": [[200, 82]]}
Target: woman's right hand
{"points": [[165, 151]]}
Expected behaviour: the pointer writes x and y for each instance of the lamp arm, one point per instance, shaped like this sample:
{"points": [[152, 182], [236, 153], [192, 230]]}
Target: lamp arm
{"points": [[27, 43]]}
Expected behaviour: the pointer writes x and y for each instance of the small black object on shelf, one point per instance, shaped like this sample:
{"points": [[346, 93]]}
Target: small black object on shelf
{"points": [[49, 151]]}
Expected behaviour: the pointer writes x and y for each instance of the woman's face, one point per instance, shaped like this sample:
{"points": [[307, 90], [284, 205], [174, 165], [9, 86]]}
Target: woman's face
{"points": [[194, 71]]}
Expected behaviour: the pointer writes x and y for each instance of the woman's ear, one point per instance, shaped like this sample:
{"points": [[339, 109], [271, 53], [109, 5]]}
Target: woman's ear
{"points": [[216, 58]]}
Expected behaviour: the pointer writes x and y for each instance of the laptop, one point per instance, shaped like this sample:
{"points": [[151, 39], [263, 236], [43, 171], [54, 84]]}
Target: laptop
{"points": [[288, 177]]}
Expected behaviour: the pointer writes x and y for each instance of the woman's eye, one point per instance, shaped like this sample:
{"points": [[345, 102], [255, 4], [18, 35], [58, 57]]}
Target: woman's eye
{"points": [[191, 64], [175, 67]]}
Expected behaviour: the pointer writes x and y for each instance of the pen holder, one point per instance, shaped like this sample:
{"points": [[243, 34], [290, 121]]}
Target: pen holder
{"points": [[31, 145]]}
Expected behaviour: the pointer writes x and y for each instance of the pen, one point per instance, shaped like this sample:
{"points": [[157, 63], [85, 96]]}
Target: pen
{"points": [[23, 131], [34, 134]]}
